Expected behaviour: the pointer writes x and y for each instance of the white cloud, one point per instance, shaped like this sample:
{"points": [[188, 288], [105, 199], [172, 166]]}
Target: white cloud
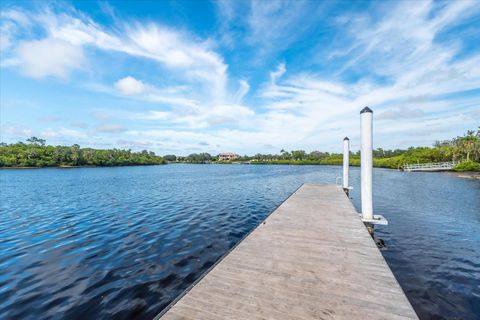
{"points": [[6, 35], [162, 96], [400, 113], [151, 115], [275, 25], [242, 91], [406, 48], [49, 57], [408, 71], [68, 34], [171, 96], [280, 71], [134, 143], [402, 49], [204, 118], [130, 85], [11, 21], [221, 114], [16, 16], [177, 51], [198, 116], [17, 131], [198, 95], [63, 133], [110, 128]]}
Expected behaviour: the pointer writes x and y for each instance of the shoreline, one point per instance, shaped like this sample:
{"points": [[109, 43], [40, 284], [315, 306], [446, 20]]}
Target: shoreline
{"points": [[475, 175], [76, 167]]}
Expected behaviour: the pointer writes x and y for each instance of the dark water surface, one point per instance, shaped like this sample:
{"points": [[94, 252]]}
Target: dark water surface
{"points": [[101, 243]]}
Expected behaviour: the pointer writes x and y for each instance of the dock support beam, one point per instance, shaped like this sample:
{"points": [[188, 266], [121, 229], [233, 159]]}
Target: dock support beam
{"points": [[346, 164], [366, 123]]}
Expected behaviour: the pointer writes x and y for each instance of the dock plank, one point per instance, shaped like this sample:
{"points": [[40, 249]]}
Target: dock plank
{"points": [[312, 258]]}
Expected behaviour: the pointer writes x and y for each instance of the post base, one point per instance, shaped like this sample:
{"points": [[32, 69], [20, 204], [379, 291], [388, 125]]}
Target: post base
{"points": [[347, 190], [377, 219]]}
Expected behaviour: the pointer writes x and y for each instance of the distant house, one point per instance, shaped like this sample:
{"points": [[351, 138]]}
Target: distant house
{"points": [[228, 156]]}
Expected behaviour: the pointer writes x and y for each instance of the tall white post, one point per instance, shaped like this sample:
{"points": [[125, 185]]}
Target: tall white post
{"points": [[366, 117], [346, 160]]}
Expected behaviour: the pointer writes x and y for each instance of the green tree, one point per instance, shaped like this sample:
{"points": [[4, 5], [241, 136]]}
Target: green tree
{"points": [[37, 154], [37, 141], [298, 154]]}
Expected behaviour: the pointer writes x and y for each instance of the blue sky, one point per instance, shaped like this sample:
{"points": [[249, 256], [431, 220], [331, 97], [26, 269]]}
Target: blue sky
{"points": [[242, 76]]}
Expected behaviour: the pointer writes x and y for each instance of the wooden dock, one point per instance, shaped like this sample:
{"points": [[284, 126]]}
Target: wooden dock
{"points": [[312, 258]]}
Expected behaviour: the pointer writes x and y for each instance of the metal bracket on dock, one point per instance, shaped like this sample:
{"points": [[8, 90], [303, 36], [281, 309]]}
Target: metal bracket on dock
{"points": [[377, 219]]}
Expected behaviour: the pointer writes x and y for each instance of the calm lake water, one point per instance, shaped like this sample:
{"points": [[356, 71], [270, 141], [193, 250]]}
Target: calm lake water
{"points": [[123, 242]]}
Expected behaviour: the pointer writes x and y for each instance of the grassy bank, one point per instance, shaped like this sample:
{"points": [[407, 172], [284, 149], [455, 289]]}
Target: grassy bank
{"points": [[339, 162], [464, 149], [389, 163]]}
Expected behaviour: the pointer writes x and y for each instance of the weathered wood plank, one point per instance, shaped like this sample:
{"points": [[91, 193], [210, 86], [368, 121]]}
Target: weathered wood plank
{"points": [[312, 258]]}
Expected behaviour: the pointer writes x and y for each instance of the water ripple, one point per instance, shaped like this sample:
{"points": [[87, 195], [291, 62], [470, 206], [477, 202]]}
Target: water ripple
{"points": [[122, 243]]}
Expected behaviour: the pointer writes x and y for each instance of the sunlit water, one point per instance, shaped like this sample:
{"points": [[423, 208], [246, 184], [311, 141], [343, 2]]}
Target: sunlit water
{"points": [[123, 242]]}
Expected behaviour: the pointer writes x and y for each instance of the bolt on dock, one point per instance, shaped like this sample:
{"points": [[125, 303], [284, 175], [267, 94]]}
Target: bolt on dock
{"points": [[312, 258]]}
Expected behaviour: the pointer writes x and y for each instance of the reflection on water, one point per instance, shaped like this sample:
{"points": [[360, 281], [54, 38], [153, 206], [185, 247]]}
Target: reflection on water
{"points": [[124, 242]]}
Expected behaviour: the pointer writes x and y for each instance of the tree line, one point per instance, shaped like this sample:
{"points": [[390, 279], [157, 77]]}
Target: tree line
{"points": [[35, 153], [465, 148]]}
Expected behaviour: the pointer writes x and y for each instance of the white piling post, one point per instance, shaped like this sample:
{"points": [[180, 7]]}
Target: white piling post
{"points": [[346, 160], [366, 117]]}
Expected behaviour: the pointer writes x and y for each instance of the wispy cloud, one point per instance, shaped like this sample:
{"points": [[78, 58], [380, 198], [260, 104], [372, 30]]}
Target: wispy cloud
{"points": [[63, 133], [110, 128], [17, 132], [243, 89], [275, 25], [270, 74], [68, 33], [400, 114]]}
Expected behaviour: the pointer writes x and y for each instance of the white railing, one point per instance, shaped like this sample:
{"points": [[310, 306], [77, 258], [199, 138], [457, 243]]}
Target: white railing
{"points": [[436, 166]]}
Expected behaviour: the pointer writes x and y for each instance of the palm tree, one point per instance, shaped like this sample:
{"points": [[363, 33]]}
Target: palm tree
{"points": [[467, 145]]}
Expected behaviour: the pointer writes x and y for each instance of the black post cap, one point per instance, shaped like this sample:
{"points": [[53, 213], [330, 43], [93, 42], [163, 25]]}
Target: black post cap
{"points": [[366, 109], [346, 138]]}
